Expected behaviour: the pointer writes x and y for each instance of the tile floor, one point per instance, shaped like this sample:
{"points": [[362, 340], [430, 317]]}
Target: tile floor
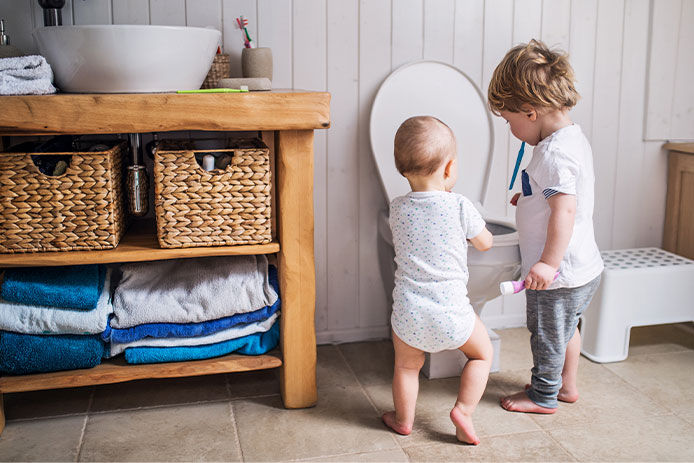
{"points": [[640, 409]]}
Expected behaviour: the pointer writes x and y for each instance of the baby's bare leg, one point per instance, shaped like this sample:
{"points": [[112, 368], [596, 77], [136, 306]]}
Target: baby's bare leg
{"points": [[408, 362], [569, 388], [479, 351]]}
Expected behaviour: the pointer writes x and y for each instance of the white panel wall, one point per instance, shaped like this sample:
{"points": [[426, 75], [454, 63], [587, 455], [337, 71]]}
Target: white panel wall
{"points": [[634, 68]]}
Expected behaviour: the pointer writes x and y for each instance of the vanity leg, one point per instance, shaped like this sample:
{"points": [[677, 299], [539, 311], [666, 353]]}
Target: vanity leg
{"points": [[294, 182], [2, 414]]}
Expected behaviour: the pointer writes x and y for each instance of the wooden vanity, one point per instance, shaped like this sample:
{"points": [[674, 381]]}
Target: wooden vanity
{"points": [[286, 120]]}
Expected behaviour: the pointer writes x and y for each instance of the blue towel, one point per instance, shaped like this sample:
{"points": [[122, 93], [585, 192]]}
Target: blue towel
{"points": [[189, 330], [253, 344], [72, 287], [23, 354]]}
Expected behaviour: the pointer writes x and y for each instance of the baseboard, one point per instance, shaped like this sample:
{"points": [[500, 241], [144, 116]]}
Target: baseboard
{"points": [[370, 333]]}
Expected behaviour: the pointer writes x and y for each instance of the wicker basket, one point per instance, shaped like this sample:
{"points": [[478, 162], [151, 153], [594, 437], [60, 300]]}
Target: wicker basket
{"points": [[218, 70], [81, 209], [216, 208]]}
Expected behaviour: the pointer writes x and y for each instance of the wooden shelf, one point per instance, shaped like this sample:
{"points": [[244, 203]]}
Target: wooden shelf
{"points": [[117, 371], [162, 112], [138, 244]]}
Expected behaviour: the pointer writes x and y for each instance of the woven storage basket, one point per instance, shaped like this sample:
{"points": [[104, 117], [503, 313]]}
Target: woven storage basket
{"points": [[221, 207], [81, 209], [218, 70]]}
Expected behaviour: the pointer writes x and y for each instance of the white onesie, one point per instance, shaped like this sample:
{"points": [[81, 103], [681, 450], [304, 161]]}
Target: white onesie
{"points": [[431, 310]]}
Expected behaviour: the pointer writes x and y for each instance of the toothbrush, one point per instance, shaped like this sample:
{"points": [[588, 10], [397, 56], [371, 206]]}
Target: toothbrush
{"points": [[519, 158], [242, 24], [513, 287]]}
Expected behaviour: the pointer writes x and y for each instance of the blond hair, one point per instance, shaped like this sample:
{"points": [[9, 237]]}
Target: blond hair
{"points": [[535, 75], [422, 144]]}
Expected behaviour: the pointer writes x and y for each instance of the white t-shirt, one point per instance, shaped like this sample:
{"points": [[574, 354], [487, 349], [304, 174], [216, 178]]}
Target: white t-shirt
{"points": [[561, 163], [431, 310]]}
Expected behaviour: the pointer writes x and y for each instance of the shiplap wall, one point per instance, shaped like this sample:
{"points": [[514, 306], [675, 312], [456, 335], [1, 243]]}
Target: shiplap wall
{"points": [[634, 66]]}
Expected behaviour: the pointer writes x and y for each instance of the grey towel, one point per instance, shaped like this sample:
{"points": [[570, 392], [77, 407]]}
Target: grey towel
{"points": [[26, 75], [191, 290]]}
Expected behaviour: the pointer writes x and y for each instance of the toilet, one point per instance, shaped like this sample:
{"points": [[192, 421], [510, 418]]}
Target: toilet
{"points": [[443, 91]]}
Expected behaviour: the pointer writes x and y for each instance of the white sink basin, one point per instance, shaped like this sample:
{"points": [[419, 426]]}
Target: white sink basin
{"points": [[128, 58]]}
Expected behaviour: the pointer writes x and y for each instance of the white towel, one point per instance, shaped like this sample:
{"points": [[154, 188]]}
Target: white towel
{"points": [[26, 75], [191, 290], [29, 319], [221, 336]]}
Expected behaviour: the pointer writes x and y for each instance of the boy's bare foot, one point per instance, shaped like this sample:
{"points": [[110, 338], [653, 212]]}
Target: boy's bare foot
{"points": [[565, 395], [520, 402], [389, 420], [464, 430]]}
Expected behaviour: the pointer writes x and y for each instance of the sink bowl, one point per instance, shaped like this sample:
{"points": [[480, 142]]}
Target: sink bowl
{"points": [[128, 58]]}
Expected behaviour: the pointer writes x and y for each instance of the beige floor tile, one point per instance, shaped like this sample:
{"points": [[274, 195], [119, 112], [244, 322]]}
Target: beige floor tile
{"points": [[434, 403], [515, 349], [331, 368], [372, 362], [529, 446], [343, 422], [665, 378], [658, 438], [48, 439], [254, 383], [157, 392], [661, 339], [380, 456], [52, 402], [200, 432], [603, 396]]}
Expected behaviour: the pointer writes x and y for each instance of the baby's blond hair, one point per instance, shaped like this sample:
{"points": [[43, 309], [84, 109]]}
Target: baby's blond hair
{"points": [[535, 75], [422, 144]]}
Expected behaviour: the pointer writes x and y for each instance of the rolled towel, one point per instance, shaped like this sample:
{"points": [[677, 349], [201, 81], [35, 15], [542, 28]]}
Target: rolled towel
{"points": [[28, 319], [23, 354], [74, 287], [26, 75], [236, 332], [254, 344], [191, 290], [181, 330]]}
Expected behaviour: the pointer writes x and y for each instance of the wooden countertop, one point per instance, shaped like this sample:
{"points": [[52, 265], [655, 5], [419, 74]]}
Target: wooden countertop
{"points": [[681, 147], [158, 112]]}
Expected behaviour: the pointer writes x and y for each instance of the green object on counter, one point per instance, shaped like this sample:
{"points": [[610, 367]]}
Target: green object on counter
{"points": [[214, 90]]}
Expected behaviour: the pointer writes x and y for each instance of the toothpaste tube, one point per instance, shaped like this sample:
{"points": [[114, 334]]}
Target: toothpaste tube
{"points": [[513, 287]]}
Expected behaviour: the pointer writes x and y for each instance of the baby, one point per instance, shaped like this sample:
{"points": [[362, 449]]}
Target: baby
{"points": [[533, 89], [431, 310]]}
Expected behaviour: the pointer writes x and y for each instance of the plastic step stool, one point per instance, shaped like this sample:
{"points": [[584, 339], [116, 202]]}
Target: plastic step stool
{"points": [[640, 287]]}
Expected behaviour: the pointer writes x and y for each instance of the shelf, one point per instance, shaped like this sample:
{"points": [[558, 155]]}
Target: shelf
{"points": [[138, 244], [117, 371], [161, 112]]}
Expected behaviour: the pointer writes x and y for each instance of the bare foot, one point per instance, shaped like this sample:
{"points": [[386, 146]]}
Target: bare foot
{"points": [[520, 402], [565, 395], [464, 430], [389, 420]]}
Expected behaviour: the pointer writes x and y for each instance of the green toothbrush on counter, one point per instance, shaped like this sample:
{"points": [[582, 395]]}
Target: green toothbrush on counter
{"points": [[215, 90]]}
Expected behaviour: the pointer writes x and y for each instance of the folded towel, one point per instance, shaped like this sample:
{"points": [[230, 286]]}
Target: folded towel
{"points": [[72, 287], [23, 354], [182, 330], [254, 344], [191, 290], [25, 75], [28, 319], [236, 332]]}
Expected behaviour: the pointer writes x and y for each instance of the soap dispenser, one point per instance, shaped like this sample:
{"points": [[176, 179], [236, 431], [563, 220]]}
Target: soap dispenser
{"points": [[7, 50]]}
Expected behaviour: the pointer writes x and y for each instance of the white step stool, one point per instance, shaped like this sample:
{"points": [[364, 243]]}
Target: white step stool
{"points": [[640, 287]]}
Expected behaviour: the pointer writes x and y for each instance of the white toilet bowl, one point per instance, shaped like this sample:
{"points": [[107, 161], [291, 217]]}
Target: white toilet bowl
{"points": [[440, 90]]}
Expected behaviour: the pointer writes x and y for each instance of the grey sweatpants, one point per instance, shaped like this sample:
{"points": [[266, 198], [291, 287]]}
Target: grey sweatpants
{"points": [[552, 320]]}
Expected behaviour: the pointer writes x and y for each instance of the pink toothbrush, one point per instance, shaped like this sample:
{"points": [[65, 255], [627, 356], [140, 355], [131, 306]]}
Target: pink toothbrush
{"points": [[513, 287]]}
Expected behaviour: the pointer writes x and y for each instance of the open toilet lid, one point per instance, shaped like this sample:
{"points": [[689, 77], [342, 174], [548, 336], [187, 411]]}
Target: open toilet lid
{"points": [[431, 88]]}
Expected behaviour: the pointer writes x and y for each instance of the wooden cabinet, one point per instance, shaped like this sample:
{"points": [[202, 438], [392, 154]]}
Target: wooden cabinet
{"points": [[287, 120], [678, 236]]}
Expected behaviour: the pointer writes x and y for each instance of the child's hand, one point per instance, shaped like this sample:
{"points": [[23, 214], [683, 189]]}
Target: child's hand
{"points": [[540, 276], [514, 200]]}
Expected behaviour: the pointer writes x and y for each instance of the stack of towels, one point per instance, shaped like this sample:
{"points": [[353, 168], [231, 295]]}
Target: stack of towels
{"points": [[189, 309], [26, 75], [52, 318]]}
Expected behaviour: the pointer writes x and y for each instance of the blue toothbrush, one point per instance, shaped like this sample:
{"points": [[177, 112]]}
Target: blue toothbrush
{"points": [[518, 161]]}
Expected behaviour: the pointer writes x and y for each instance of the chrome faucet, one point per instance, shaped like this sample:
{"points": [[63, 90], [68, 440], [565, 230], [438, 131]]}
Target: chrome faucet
{"points": [[52, 12]]}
